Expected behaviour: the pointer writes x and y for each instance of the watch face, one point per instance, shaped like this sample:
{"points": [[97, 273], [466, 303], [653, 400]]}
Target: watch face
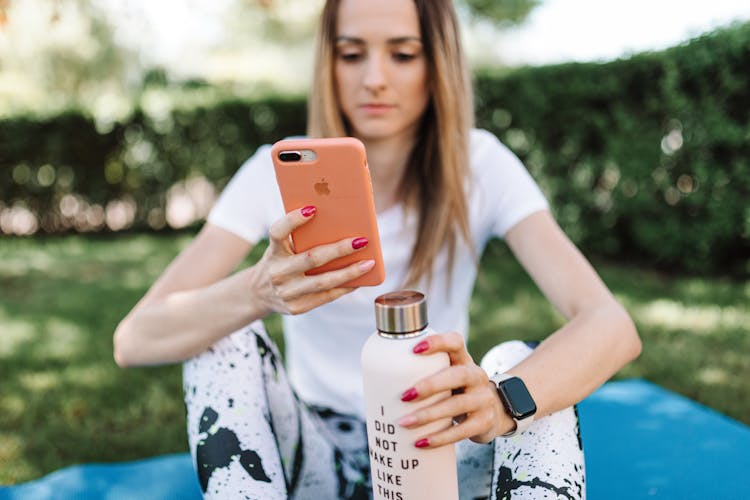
{"points": [[520, 403]]}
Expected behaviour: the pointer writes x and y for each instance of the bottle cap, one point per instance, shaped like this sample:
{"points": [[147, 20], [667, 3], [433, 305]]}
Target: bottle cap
{"points": [[401, 312]]}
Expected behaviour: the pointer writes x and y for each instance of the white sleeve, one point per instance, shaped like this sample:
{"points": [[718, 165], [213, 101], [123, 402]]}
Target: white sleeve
{"points": [[251, 201], [508, 189]]}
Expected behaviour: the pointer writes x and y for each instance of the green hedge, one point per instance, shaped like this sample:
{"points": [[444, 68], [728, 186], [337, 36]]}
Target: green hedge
{"points": [[646, 157], [42, 161]]}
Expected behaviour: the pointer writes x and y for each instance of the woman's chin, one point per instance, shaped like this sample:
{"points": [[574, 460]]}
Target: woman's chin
{"points": [[379, 132]]}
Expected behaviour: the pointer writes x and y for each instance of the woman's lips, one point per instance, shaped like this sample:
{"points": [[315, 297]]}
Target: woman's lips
{"points": [[376, 108]]}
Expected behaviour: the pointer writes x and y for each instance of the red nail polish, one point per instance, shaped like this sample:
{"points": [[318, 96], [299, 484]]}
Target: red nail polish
{"points": [[422, 443], [358, 243], [421, 347], [308, 211], [409, 394]]}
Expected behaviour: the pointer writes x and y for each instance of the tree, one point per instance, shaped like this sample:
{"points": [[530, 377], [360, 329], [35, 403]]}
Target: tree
{"points": [[501, 11], [58, 51], [98, 53]]}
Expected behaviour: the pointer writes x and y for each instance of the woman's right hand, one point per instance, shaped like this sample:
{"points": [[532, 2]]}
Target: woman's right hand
{"points": [[279, 278]]}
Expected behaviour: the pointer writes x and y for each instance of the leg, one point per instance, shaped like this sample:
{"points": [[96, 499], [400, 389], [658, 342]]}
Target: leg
{"points": [[474, 470], [249, 435], [352, 461], [545, 461]]}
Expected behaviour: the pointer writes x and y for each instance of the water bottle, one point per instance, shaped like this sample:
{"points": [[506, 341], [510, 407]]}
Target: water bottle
{"points": [[400, 471]]}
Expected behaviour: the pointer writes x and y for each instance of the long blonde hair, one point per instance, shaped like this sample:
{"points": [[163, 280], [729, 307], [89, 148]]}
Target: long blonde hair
{"points": [[434, 182]]}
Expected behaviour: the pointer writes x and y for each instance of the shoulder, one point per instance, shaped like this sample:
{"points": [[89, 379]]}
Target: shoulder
{"points": [[257, 167], [262, 156], [486, 152], [504, 190], [250, 202], [479, 138], [255, 175]]}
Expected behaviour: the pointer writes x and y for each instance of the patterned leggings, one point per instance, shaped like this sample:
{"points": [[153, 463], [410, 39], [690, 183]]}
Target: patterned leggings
{"points": [[251, 437]]}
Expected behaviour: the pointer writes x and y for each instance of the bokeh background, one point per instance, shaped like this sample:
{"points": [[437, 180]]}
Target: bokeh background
{"points": [[120, 122]]}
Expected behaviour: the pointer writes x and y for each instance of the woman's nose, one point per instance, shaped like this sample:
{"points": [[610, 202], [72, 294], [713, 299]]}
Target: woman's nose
{"points": [[374, 78]]}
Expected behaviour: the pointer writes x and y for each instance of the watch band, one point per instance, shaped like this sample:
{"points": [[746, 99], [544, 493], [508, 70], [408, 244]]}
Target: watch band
{"points": [[521, 424]]}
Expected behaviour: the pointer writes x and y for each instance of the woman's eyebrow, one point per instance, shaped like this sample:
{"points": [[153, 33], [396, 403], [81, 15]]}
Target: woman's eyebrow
{"points": [[390, 41]]}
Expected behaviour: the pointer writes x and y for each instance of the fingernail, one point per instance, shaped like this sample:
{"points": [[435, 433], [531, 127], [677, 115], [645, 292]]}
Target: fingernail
{"points": [[358, 243], [422, 443], [421, 347], [308, 211], [366, 265], [409, 394], [407, 421]]}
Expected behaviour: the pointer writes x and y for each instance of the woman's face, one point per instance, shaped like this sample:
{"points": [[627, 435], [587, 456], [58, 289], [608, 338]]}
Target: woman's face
{"points": [[380, 68]]}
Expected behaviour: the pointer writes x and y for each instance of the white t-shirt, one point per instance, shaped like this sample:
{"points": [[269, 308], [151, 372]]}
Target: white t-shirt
{"points": [[323, 345]]}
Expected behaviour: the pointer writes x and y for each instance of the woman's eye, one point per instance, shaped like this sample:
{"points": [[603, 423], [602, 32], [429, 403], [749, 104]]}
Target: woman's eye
{"points": [[350, 56], [403, 57]]}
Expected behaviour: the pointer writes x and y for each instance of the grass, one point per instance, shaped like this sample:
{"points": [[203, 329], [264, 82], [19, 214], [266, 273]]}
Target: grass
{"points": [[64, 401]]}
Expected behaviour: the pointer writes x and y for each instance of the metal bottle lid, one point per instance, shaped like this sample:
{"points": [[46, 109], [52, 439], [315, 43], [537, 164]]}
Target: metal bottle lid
{"points": [[401, 312]]}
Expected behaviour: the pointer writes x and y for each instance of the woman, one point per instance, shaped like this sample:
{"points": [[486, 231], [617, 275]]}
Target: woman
{"points": [[392, 74]]}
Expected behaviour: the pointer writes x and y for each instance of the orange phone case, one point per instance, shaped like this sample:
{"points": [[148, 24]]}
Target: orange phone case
{"points": [[337, 182]]}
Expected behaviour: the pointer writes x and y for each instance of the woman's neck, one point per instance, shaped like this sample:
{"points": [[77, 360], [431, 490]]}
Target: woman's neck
{"points": [[387, 160]]}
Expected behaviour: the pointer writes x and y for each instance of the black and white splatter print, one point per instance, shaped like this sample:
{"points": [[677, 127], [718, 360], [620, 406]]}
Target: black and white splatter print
{"points": [[252, 438]]}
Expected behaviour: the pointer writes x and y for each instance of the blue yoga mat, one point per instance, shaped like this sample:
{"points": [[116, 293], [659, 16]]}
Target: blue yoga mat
{"points": [[164, 477], [641, 442]]}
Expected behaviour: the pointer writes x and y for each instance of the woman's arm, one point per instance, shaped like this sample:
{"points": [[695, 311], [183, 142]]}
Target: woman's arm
{"points": [[599, 337], [192, 304], [197, 301]]}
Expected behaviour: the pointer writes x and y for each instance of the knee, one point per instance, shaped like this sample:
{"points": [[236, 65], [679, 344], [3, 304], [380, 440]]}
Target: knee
{"points": [[505, 356]]}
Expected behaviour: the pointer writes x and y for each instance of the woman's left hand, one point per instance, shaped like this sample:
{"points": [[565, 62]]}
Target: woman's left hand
{"points": [[474, 402]]}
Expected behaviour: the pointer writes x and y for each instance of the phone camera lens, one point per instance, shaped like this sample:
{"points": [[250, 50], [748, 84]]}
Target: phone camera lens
{"points": [[290, 156]]}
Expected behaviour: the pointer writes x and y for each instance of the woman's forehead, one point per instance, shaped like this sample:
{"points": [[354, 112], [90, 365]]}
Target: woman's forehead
{"points": [[377, 19]]}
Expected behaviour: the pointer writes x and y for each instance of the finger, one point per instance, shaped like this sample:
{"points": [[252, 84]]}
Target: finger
{"points": [[445, 409], [451, 343], [323, 254], [280, 230], [306, 285], [311, 301], [453, 378], [478, 423]]}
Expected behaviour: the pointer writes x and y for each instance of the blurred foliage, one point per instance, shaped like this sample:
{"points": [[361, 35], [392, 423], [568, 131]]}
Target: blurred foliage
{"points": [[94, 54], [67, 170], [502, 11], [498, 11], [60, 52], [646, 157]]}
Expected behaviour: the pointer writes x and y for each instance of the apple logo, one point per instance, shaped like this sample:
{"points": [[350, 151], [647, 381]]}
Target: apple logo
{"points": [[322, 187]]}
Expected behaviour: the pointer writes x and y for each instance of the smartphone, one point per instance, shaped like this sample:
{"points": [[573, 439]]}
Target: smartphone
{"points": [[332, 175]]}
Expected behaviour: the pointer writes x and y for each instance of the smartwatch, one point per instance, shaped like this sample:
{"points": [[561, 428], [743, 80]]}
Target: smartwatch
{"points": [[516, 399]]}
